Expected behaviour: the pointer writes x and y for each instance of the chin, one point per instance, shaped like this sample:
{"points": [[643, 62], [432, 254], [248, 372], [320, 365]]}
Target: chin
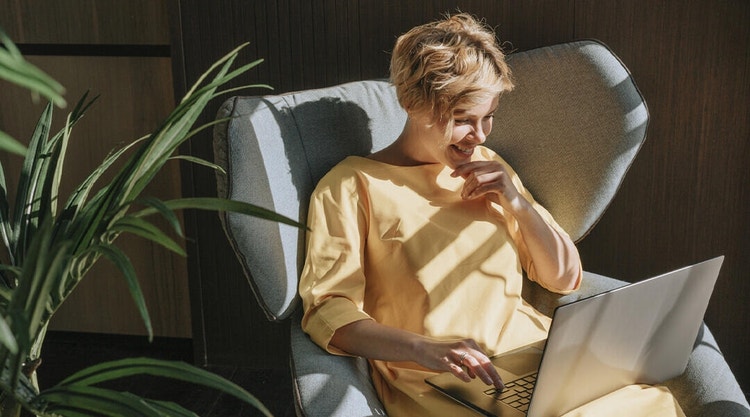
{"points": [[457, 158]]}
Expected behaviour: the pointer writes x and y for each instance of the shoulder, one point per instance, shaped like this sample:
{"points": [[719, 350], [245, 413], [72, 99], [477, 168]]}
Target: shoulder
{"points": [[345, 178]]}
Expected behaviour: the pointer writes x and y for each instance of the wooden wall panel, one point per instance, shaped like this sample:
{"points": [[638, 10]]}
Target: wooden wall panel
{"points": [[129, 22], [135, 95], [120, 50], [686, 197]]}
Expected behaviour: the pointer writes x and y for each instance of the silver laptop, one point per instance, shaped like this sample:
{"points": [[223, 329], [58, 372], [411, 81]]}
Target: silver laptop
{"points": [[640, 333]]}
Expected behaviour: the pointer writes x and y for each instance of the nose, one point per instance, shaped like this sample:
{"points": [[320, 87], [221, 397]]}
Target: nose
{"points": [[478, 133]]}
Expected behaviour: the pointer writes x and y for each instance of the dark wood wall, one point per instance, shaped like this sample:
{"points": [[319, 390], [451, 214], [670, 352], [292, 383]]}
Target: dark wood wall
{"points": [[685, 199], [120, 51]]}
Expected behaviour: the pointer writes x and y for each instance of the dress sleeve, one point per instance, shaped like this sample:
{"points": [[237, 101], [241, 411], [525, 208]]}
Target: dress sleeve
{"points": [[515, 232], [332, 282]]}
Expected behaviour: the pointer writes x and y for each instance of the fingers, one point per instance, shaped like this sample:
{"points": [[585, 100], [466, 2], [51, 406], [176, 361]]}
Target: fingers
{"points": [[477, 168], [475, 364], [488, 179]]}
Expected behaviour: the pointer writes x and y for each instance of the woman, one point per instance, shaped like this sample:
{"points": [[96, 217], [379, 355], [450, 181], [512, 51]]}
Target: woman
{"points": [[417, 252]]}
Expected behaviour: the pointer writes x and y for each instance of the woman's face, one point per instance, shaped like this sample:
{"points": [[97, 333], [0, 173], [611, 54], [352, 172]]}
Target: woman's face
{"points": [[470, 128]]}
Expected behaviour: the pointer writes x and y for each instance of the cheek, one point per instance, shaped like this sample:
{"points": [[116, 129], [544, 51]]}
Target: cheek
{"points": [[487, 127], [459, 132]]}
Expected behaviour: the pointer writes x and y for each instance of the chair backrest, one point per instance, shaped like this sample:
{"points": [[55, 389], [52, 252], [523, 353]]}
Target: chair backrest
{"points": [[571, 129]]}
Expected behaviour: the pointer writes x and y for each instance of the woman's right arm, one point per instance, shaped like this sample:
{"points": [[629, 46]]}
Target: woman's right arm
{"points": [[332, 288], [372, 340]]}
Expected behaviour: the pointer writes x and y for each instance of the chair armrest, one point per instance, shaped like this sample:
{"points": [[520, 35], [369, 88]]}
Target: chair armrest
{"points": [[546, 301], [329, 385], [708, 387]]}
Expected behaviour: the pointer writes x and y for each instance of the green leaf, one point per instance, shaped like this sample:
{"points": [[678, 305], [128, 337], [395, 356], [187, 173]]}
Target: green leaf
{"points": [[26, 217], [31, 298], [221, 204], [230, 56], [79, 196], [181, 371], [123, 263], [7, 338], [170, 409], [200, 161], [8, 144], [166, 212], [97, 401], [140, 227], [14, 68]]}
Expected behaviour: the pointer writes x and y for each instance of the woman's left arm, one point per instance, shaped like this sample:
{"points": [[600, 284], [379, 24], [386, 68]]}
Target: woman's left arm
{"points": [[554, 256]]}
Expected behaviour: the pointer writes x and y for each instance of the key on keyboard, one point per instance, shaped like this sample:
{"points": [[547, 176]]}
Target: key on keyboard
{"points": [[517, 393]]}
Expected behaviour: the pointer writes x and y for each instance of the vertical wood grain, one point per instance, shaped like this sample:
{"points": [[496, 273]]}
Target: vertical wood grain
{"points": [[135, 95], [131, 22], [686, 197]]}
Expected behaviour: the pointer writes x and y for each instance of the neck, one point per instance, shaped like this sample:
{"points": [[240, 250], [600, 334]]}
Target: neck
{"points": [[408, 148]]}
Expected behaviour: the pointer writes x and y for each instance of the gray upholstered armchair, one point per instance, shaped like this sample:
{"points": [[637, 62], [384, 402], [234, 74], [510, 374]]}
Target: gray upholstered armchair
{"points": [[571, 129]]}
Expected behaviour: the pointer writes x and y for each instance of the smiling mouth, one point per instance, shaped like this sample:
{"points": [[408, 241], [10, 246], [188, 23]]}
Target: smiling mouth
{"points": [[465, 151]]}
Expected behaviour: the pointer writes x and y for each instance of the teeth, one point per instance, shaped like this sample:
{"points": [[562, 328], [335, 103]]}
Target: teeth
{"points": [[464, 150]]}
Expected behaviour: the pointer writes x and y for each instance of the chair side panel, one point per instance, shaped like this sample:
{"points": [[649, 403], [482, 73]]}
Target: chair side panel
{"points": [[571, 128]]}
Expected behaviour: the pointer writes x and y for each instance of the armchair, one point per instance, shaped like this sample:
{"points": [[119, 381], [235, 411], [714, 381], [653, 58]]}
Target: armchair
{"points": [[571, 129]]}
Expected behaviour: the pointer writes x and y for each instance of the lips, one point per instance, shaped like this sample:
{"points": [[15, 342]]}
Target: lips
{"points": [[466, 151]]}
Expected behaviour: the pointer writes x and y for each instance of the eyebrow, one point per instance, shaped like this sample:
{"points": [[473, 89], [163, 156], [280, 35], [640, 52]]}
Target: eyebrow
{"points": [[463, 112]]}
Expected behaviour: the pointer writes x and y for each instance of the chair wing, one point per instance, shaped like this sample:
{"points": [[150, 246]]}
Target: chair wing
{"points": [[274, 150], [571, 129]]}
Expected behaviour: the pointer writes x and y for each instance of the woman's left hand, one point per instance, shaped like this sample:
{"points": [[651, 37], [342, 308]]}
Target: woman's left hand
{"points": [[491, 180], [554, 256]]}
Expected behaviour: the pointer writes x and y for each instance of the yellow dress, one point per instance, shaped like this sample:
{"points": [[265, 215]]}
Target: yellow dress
{"points": [[398, 245]]}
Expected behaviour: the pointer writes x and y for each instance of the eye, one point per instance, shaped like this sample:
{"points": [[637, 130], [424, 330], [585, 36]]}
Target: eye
{"points": [[459, 122]]}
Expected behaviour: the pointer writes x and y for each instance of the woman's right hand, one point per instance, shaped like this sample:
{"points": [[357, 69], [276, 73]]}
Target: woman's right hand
{"points": [[463, 357]]}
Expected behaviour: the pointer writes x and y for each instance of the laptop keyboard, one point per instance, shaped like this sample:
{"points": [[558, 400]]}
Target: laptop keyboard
{"points": [[517, 393]]}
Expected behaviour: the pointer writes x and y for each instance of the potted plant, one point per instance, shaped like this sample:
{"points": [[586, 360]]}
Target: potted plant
{"points": [[52, 241]]}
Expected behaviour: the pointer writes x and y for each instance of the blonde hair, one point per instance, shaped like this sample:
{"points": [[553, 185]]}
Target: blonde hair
{"points": [[452, 63]]}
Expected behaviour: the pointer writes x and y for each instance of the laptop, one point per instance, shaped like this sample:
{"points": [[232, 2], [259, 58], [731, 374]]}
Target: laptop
{"points": [[639, 333]]}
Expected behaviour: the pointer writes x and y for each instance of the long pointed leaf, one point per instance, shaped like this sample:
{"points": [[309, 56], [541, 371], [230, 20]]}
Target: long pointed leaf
{"points": [[6, 226], [96, 401], [123, 263], [14, 68], [199, 161], [8, 144], [140, 227], [170, 409], [215, 65], [7, 338], [221, 204], [79, 196], [168, 214], [30, 298], [25, 218], [181, 371]]}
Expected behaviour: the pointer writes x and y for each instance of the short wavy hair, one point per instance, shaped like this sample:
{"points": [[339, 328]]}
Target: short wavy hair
{"points": [[448, 64]]}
